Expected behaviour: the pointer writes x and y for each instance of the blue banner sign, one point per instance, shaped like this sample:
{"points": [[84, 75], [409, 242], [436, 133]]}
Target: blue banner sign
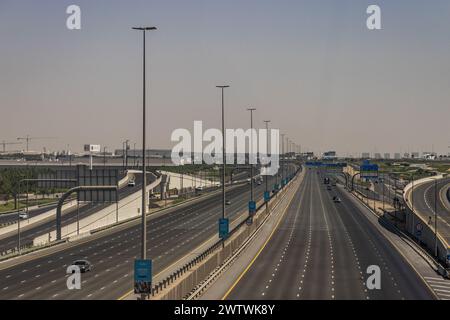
{"points": [[252, 207], [314, 163], [266, 196], [224, 225], [368, 170], [142, 276]]}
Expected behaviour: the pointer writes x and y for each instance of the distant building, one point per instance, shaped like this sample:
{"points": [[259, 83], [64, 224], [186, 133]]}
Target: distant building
{"points": [[397, 156], [365, 155], [415, 155], [377, 156], [387, 156], [406, 155]]}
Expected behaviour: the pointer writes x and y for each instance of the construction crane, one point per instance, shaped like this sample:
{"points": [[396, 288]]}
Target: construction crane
{"points": [[28, 139], [4, 143]]}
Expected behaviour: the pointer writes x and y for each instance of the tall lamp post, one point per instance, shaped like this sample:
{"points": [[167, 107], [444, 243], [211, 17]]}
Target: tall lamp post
{"points": [[250, 154], [144, 162], [282, 157], [223, 153], [267, 153], [104, 156], [435, 219]]}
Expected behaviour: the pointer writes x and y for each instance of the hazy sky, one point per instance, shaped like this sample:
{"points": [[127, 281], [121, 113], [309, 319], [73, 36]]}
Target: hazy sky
{"points": [[312, 67]]}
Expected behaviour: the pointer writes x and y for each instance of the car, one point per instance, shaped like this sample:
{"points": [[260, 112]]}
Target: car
{"points": [[259, 183], [336, 199], [84, 265], [131, 183], [228, 202], [23, 215], [200, 188], [328, 188]]}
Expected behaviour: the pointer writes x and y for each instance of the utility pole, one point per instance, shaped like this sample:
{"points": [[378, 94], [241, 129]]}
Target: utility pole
{"points": [[282, 156], [223, 153], [267, 153], [144, 162], [250, 154], [435, 219], [104, 156]]}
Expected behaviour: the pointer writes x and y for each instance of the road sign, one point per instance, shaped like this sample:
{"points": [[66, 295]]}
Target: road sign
{"points": [[252, 208], [368, 171], [266, 196], [334, 167], [224, 226], [97, 177], [419, 229], [142, 276], [92, 148], [313, 163]]}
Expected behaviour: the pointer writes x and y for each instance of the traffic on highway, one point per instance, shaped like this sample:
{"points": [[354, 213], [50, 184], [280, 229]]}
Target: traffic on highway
{"points": [[214, 159]]}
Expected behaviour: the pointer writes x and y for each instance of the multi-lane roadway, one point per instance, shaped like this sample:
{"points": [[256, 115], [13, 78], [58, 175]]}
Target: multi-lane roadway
{"points": [[9, 241], [170, 237], [428, 204], [322, 249]]}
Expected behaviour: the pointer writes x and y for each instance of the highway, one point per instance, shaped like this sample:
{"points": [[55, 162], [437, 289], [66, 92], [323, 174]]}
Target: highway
{"points": [[112, 253], [425, 204], [9, 241], [12, 217], [321, 250]]}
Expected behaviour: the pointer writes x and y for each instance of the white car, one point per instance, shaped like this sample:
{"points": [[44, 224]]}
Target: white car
{"points": [[23, 215], [131, 183]]}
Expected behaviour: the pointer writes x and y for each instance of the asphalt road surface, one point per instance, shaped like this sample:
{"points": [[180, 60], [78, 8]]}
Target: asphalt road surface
{"points": [[322, 249], [169, 237], [69, 216], [427, 202]]}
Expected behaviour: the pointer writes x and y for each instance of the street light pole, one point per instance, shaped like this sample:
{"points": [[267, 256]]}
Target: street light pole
{"points": [[251, 152], [144, 162], [267, 153], [134, 155], [223, 153], [435, 219], [282, 156], [104, 156]]}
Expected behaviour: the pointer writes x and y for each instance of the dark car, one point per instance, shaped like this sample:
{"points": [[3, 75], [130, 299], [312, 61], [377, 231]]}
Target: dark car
{"points": [[84, 265], [328, 188], [336, 199]]}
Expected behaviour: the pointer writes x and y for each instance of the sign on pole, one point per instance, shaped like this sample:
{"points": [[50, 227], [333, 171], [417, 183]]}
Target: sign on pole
{"points": [[224, 226], [97, 177], [368, 170], [266, 196], [252, 208], [142, 276], [419, 229]]}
